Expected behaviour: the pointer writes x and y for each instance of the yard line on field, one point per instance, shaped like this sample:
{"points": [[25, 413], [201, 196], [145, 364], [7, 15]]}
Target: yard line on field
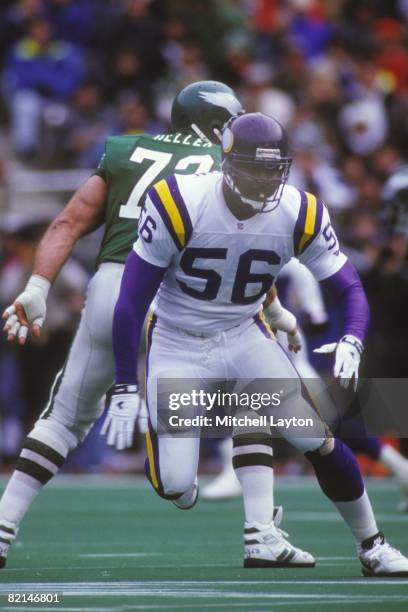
{"points": [[99, 567], [194, 565], [335, 558], [65, 609], [178, 606], [121, 608], [124, 607], [62, 607], [101, 588], [335, 517], [107, 555], [249, 595]]}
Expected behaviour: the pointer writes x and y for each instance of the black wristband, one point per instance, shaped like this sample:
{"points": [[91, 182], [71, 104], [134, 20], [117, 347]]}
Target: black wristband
{"points": [[124, 388], [348, 339]]}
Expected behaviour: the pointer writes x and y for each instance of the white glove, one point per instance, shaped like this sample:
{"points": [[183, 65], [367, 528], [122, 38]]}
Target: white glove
{"points": [[125, 408], [282, 319], [28, 310], [347, 358]]}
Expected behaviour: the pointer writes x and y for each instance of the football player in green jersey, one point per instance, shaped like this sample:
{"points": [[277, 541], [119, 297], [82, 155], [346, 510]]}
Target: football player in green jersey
{"points": [[112, 196]]}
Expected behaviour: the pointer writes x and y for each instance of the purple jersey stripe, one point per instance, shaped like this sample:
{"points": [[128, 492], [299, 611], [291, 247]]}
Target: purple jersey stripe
{"points": [[175, 192], [155, 198]]}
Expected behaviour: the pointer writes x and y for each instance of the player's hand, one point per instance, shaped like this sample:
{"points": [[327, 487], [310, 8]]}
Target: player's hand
{"points": [[125, 408], [282, 319], [294, 340], [27, 311], [347, 358]]}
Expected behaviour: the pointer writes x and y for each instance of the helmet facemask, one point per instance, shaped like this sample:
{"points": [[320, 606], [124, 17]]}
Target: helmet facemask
{"points": [[258, 183]]}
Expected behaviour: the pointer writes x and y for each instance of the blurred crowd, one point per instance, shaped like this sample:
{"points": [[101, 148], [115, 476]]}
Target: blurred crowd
{"points": [[333, 72]]}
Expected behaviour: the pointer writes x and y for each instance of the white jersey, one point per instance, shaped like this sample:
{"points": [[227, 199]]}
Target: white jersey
{"points": [[220, 268]]}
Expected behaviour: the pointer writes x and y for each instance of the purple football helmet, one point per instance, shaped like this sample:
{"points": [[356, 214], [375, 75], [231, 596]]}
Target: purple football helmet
{"points": [[255, 160]]}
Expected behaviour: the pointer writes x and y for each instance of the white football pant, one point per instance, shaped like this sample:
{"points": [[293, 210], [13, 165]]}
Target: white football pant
{"points": [[74, 403], [243, 353]]}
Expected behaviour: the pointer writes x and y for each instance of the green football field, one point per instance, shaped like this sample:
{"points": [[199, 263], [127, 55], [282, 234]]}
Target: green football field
{"points": [[110, 544]]}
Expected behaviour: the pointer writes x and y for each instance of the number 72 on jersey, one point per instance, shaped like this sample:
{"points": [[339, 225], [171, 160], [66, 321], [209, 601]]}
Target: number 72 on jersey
{"points": [[160, 161]]}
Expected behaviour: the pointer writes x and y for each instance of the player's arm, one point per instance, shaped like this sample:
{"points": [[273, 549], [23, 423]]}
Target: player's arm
{"points": [[83, 213], [144, 271], [323, 257], [282, 319], [140, 283]]}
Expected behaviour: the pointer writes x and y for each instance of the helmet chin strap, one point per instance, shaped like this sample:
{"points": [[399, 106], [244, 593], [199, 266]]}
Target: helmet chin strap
{"points": [[254, 204], [218, 133], [199, 132]]}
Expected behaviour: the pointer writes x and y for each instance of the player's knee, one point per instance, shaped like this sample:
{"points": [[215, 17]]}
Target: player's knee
{"points": [[320, 448], [327, 447], [308, 445], [177, 482], [168, 486], [55, 435]]}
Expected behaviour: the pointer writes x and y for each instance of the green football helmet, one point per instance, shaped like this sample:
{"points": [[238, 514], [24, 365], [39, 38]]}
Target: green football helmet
{"points": [[203, 108], [395, 202]]}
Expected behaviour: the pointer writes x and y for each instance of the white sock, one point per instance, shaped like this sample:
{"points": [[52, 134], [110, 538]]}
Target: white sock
{"points": [[42, 455], [253, 467], [359, 516], [394, 461], [17, 498]]}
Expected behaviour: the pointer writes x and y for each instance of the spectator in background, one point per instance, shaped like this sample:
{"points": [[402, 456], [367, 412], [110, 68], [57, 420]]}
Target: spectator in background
{"points": [[13, 20], [79, 139], [363, 125], [90, 122], [135, 117], [262, 95], [392, 55], [268, 20], [175, 33], [309, 29], [74, 20], [136, 29], [41, 358], [39, 70], [127, 74], [355, 26], [192, 68]]}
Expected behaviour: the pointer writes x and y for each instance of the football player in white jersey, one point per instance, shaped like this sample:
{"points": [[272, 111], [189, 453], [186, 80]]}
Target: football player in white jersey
{"points": [[209, 248]]}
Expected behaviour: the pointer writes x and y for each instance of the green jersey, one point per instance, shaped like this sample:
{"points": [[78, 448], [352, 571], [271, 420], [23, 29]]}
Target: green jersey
{"points": [[130, 166]]}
